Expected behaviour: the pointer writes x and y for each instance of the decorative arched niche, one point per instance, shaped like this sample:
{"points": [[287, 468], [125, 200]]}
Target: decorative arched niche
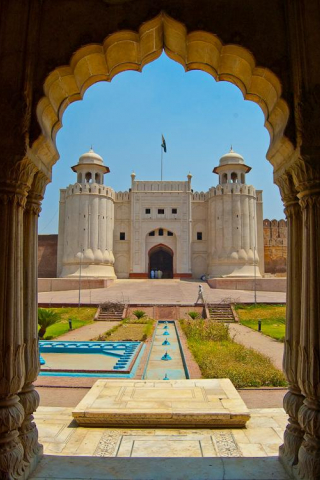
{"points": [[128, 50]]}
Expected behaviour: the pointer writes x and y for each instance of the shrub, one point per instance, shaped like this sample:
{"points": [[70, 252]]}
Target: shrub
{"points": [[194, 315], [46, 318], [148, 330], [139, 314], [111, 306]]}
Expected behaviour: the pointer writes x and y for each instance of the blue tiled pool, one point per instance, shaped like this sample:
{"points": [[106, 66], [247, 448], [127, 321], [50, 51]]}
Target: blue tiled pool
{"points": [[97, 359]]}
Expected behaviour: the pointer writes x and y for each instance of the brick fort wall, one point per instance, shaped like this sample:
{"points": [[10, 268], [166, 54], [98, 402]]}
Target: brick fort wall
{"points": [[47, 256], [275, 246]]}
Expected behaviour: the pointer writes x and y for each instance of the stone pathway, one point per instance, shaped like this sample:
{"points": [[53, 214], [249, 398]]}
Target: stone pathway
{"points": [[263, 344], [69, 391], [161, 292], [263, 397], [88, 332]]}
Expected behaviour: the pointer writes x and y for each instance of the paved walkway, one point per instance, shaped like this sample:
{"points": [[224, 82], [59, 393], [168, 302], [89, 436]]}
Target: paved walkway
{"points": [[88, 332], [263, 344], [69, 396], [159, 292]]}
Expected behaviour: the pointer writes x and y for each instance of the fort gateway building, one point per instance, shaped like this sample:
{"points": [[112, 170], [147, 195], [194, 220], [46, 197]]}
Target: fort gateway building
{"points": [[160, 225]]}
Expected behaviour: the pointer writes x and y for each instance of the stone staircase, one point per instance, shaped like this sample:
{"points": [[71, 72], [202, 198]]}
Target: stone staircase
{"points": [[221, 312], [114, 314]]}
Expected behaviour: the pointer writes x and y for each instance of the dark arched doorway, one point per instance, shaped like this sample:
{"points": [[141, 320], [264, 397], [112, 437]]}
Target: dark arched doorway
{"points": [[161, 258]]}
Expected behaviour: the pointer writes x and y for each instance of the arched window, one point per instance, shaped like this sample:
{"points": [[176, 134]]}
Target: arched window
{"points": [[88, 177], [234, 177], [224, 178], [242, 178], [97, 178], [79, 177]]}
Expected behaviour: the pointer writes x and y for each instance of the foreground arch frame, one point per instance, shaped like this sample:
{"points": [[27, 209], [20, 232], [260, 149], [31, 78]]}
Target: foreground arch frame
{"points": [[27, 170], [128, 50]]}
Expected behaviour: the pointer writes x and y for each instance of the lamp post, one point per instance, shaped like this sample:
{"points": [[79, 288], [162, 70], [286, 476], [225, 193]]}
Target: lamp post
{"points": [[254, 260], [80, 265]]}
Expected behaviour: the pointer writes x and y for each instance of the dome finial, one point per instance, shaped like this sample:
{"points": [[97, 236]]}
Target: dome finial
{"points": [[231, 149]]}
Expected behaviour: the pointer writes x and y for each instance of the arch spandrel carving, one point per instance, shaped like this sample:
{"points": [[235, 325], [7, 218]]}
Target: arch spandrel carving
{"points": [[128, 50]]}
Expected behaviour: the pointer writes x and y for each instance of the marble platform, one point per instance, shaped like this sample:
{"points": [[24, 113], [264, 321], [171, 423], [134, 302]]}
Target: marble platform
{"points": [[156, 403], [73, 452]]}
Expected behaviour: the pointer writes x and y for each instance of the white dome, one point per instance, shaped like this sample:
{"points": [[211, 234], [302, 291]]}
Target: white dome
{"points": [[231, 158], [91, 157]]}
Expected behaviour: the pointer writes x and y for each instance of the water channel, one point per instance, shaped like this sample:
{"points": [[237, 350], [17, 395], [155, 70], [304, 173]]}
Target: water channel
{"points": [[166, 359]]}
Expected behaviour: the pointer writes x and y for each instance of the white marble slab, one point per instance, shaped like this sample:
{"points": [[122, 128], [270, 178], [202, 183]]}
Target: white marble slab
{"points": [[157, 403]]}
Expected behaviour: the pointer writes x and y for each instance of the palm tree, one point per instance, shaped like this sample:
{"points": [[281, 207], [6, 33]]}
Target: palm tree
{"points": [[46, 318]]}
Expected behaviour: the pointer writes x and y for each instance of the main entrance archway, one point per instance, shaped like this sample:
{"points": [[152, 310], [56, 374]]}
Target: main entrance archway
{"points": [[161, 258]]}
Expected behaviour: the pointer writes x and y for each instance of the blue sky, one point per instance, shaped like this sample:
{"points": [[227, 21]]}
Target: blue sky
{"points": [[199, 118]]}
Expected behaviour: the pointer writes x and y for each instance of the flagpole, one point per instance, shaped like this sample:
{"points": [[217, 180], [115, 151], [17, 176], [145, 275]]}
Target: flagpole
{"points": [[161, 160]]}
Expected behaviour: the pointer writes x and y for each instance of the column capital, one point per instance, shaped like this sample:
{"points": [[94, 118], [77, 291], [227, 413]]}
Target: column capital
{"points": [[16, 182], [305, 173], [36, 193], [310, 199], [287, 189]]}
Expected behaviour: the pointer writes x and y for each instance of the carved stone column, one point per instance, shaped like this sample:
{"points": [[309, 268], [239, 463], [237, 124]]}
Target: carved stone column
{"points": [[293, 400], [13, 192], [307, 179], [29, 397]]}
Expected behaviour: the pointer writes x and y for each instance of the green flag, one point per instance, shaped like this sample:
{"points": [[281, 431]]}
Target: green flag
{"points": [[164, 145]]}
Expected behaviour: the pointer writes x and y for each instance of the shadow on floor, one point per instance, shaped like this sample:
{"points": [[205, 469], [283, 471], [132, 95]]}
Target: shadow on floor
{"points": [[102, 468]]}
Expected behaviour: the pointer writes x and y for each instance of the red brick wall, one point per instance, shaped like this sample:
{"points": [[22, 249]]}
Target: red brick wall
{"points": [[47, 256], [275, 246]]}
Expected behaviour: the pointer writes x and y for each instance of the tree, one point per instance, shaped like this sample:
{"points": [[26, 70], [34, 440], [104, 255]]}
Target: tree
{"points": [[46, 318]]}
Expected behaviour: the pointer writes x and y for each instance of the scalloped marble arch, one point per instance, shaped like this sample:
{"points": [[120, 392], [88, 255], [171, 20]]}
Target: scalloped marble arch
{"points": [[128, 50]]}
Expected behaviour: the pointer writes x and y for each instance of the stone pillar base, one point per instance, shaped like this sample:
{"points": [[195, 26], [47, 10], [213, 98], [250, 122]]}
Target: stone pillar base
{"points": [[32, 465], [88, 271], [291, 470]]}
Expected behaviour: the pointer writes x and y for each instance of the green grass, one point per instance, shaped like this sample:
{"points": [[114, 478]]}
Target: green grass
{"points": [[79, 316], [218, 356], [137, 330], [273, 318]]}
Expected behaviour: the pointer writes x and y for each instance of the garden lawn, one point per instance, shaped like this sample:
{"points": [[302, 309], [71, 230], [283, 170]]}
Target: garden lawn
{"points": [[218, 356], [273, 318], [137, 330], [79, 316]]}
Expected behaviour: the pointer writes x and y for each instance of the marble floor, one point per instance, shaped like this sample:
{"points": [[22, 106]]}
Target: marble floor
{"points": [[73, 452]]}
